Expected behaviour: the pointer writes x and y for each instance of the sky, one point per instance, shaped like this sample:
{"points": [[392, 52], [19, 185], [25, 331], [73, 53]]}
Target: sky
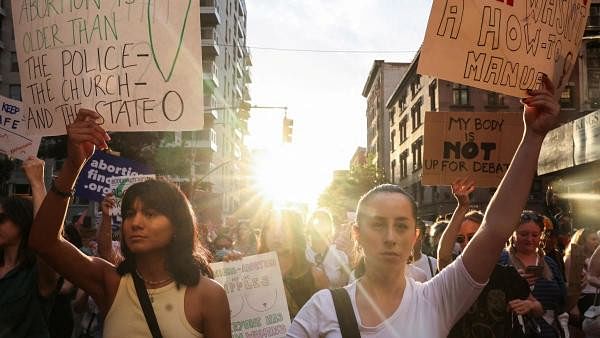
{"points": [[323, 91]]}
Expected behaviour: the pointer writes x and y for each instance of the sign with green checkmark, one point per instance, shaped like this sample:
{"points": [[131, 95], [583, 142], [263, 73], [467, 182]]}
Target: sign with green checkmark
{"points": [[138, 63]]}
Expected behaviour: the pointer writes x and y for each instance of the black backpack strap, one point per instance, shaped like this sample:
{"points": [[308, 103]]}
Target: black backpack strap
{"points": [[345, 313], [144, 299], [430, 267]]}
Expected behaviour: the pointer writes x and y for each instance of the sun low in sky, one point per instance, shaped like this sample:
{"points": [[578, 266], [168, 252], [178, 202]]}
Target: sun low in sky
{"points": [[321, 88]]}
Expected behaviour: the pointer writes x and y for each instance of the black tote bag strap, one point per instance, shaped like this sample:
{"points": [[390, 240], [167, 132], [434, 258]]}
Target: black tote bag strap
{"points": [[144, 299], [345, 313]]}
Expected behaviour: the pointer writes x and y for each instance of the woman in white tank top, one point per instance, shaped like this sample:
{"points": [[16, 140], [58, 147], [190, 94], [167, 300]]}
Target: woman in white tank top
{"points": [[159, 245]]}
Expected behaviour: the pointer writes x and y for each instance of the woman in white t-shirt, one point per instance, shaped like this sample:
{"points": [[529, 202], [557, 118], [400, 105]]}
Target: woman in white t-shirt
{"points": [[384, 301]]}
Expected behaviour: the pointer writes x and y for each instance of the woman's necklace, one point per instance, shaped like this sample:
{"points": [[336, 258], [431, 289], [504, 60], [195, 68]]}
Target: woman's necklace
{"points": [[148, 282]]}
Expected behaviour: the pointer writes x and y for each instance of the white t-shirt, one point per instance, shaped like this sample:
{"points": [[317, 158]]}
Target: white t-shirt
{"points": [[427, 310], [334, 264], [423, 264]]}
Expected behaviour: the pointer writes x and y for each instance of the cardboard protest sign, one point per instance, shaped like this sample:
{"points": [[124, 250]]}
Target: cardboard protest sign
{"points": [[14, 139], [476, 144], [119, 184], [503, 45], [256, 296], [137, 63], [94, 181]]}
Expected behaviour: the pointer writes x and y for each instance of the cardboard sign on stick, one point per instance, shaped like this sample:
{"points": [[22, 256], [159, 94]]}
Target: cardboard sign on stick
{"points": [[14, 138], [476, 144], [503, 46], [137, 63], [256, 296]]}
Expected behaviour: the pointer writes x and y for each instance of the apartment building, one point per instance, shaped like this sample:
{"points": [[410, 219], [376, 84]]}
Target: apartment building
{"points": [[412, 97], [382, 79]]}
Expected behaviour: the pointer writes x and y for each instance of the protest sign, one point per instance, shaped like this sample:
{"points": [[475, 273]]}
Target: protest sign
{"points": [[503, 45], [476, 144], [557, 150], [256, 296], [118, 186], [94, 181], [586, 138], [14, 139], [137, 63]]}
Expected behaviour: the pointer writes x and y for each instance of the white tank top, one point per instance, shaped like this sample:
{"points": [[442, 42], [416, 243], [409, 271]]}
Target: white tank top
{"points": [[125, 317]]}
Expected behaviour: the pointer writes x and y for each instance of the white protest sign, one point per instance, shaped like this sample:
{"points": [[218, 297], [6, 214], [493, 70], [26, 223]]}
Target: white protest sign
{"points": [[119, 184], [503, 45], [14, 139], [256, 296], [137, 63]]}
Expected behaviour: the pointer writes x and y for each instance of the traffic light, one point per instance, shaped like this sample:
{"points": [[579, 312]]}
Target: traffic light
{"points": [[288, 128]]}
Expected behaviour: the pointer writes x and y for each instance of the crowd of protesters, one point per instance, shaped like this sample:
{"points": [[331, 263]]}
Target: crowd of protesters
{"points": [[507, 272]]}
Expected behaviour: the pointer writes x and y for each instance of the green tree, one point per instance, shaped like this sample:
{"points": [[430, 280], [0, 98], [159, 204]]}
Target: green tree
{"points": [[343, 193]]}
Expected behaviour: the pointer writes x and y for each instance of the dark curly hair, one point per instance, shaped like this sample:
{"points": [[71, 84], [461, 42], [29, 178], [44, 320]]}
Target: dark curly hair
{"points": [[186, 258], [19, 210]]}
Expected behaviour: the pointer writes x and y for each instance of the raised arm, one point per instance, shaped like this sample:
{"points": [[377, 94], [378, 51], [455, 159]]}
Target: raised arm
{"points": [[540, 116], [87, 273], [104, 238], [461, 188], [34, 171]]}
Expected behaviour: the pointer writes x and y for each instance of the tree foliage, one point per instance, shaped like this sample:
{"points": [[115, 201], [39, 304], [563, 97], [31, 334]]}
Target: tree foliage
{"points": [[343, 193]]}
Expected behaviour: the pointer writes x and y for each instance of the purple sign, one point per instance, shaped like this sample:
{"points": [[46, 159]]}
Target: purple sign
{"points": [[93, 182]]}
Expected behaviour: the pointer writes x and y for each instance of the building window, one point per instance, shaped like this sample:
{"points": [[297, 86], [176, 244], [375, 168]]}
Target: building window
{"points": [[567, 97], [415, 114], [402, 103], [416, 154], [393, 171], [404, 164], [392, 113], [393, 140], [14, 63], [495, 99], [432, 89], [14, 92], [594, 18], [403, 133], [416, 85], [460, 95], [593, 73]]}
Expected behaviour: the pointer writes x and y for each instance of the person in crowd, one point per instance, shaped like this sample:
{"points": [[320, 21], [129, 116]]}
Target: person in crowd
{"points": [[550, 244], [462, 226], [222, 247], [245, 239], [160, 251], [591, 326], [487, 317], [27, 284], [324, 254], [108, 248], [283, 232], [419, 259], [386, 303], [435, 234], [543, 275], [585, 240]]}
